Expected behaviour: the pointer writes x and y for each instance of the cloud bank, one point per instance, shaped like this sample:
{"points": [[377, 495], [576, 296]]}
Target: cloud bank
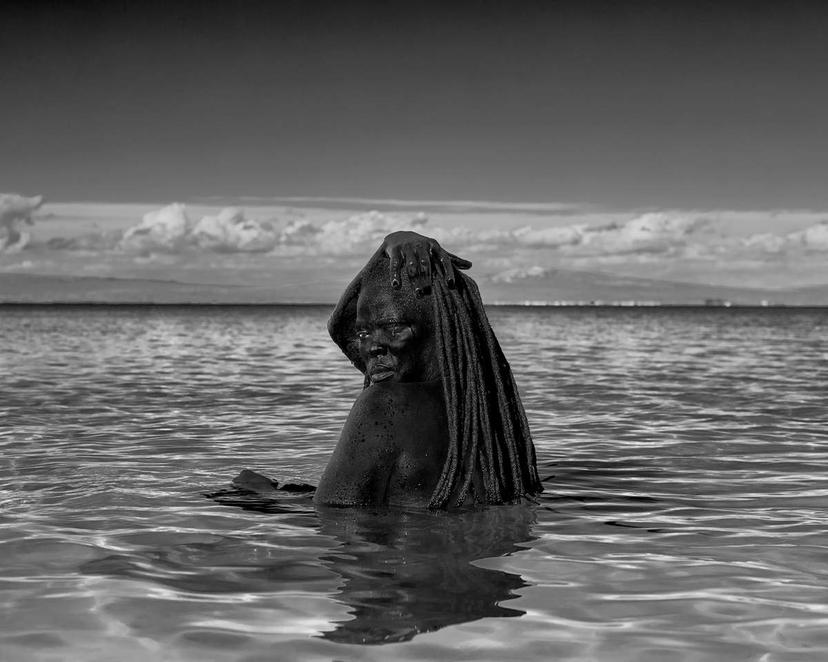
{"points": [[776, 248], [171, 230], [661, 234]]}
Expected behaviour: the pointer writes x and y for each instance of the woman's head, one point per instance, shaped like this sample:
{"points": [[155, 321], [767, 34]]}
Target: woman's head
{"points": [[394, 331]]}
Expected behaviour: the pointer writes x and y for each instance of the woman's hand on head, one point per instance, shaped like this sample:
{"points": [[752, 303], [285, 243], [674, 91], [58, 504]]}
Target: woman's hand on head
{"points": [[423, 259]]}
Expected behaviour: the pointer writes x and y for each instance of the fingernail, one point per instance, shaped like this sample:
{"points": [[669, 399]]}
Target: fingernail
{"points": [[395, 284], [450, 283]]}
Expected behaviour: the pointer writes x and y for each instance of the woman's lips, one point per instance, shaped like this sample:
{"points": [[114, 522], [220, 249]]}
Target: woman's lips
{"points": [[381, 373]]}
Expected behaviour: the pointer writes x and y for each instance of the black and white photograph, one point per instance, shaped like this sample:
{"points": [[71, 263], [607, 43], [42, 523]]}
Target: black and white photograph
{"points": [[413, 331]]}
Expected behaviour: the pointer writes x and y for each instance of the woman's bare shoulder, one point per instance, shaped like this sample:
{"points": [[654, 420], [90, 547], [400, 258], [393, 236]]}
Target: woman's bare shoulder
{"points": [[390, 424]]}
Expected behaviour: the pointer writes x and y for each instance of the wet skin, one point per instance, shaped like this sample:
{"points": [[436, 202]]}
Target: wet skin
{"points": [[393, 445], [391, 450]]}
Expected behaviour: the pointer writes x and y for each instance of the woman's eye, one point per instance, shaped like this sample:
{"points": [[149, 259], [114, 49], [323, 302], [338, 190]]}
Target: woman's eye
{"points": [[362, 334]]}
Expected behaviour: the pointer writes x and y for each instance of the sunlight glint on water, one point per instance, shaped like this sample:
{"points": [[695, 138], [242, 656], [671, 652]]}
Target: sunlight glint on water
{"points": [[684, 517]]}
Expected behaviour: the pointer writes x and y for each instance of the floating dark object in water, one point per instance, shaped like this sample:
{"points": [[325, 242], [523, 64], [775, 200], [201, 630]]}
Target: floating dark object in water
{"points": [[253, 491], [255, 482], [298, 487]]}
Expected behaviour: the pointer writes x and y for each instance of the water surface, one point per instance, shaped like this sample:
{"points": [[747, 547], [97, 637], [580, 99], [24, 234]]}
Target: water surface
{"points": [[684, 453]]}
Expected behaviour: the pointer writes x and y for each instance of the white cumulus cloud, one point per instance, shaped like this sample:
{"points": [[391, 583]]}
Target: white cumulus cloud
{"points": [[15, 212], [230, 231], [165, 229], [813, 239]]}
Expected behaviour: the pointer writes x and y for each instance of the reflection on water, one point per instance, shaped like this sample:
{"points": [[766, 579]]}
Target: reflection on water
{"points": [[683, 517], [404, 572], [407, 573]]}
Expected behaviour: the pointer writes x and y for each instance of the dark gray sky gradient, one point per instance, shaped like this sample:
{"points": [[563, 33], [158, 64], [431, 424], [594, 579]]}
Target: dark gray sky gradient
{"points": [[620, 104]]}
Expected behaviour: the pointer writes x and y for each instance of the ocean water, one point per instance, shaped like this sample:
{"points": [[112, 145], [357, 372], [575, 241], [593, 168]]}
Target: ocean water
{"points": [[684, 517]]}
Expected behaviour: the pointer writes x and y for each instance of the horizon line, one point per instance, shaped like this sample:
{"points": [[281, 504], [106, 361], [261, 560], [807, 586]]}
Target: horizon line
{"points": [[713, 304]]}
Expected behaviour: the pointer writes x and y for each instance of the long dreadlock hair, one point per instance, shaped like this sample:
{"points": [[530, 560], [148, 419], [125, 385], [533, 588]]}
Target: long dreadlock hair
{"points": [[490, 456]]}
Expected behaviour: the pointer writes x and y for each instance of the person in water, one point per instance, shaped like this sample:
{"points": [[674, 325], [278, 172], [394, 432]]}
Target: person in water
{"points": [[439, 422]]}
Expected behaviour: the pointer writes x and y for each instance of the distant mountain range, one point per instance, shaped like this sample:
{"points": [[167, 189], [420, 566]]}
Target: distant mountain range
{"points": [[552, 287]]}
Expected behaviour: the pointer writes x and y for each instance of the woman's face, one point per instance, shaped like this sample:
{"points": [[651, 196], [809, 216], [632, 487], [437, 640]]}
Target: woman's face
{"points": [[395, 337]]}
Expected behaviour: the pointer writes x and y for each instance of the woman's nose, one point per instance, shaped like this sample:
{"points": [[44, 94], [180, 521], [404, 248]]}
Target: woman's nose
{"points": [[377, 348]]}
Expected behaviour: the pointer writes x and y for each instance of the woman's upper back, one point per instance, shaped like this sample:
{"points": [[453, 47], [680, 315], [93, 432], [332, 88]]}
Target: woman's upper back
{"points": [[392, 448]]}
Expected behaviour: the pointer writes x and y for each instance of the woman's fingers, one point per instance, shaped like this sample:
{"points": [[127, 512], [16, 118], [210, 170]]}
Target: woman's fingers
{"points": [[412, 263], [439, 264], [459, 262], [445, 269], [397, 259], [425, 256]]}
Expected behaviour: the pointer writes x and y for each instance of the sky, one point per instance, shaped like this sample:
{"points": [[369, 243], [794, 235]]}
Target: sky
{"points": [[679, 141], [626, 104]]}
